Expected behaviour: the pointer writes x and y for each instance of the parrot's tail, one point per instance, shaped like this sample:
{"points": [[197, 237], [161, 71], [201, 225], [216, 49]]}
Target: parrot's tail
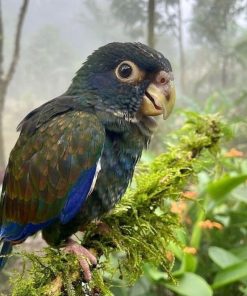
{"points": [[5, 250]]}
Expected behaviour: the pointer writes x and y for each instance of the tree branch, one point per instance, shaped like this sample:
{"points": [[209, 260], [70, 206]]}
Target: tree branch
{"points": [[151, 22], [1, 42], [16, 52]]}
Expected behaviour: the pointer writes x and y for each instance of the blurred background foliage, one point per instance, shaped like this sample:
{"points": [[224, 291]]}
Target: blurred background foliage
{"points": [[206, 42]]}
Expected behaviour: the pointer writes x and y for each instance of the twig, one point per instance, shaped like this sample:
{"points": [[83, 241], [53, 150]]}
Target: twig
{"points": [[16, 52]]}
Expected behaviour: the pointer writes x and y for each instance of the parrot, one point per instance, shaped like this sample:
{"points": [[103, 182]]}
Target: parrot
{"points": [[76, 154]]}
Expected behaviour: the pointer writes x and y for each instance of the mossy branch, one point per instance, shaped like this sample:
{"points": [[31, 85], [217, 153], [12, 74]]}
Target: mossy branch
{"points": [[140, 227]]}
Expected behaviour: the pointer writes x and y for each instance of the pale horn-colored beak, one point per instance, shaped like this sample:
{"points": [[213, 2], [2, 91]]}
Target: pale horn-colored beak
{"points": [[160, 96]]}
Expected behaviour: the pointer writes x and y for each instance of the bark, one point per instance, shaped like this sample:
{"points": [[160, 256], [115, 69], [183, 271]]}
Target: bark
{"points": [[2, 159], [5, 79], [16, 52], [1, 43], [2, 96], [224, 71], [181, 47], [151, 23]]}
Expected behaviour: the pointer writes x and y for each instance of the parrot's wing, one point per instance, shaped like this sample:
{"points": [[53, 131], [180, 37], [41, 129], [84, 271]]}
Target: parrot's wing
{"points": [[50, 174]]}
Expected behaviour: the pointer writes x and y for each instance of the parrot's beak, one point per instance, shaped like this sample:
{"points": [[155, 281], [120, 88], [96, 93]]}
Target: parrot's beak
{"points": [[160, 96]]}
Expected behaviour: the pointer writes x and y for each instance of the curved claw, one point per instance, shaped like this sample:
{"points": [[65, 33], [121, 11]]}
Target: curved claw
{"points": [[85, 258]]}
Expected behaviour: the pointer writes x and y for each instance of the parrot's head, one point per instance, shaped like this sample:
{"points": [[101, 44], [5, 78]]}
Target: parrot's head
{"points": [[129, 80]]}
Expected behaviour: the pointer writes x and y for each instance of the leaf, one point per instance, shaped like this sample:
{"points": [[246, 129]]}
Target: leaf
{"points": [[222, 257], [176, 250], [230, 274], [240, 252], [191, 284], [189, 262], [153, 273], [225, 185]]}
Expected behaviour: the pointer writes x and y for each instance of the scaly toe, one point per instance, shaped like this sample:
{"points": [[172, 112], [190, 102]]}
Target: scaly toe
{"points": [[85, 258]]}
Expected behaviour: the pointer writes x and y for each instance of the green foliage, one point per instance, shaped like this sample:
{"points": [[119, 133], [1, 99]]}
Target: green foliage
{"points": [[45, 269], [222, 257], [224, 185], [217, 230], [186, 288], [233, 273], [141, 227]]}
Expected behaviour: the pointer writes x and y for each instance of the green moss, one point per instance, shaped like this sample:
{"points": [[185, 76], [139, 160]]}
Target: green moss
{"points": [[141, 225]]}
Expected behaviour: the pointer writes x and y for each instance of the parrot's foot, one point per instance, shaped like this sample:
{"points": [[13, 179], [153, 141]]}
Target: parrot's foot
{"points": [[86, 259]]}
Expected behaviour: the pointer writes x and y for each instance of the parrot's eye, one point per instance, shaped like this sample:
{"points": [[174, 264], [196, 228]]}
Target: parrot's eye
{"points": [[124, 70], [127, 71]]}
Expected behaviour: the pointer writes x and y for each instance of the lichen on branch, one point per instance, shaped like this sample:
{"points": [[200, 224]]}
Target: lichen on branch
{"points": [[139, 229]]}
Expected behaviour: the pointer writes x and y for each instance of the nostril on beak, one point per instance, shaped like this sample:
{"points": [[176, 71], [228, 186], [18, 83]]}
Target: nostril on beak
{"points": [[162, 77], [162, 80]]}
